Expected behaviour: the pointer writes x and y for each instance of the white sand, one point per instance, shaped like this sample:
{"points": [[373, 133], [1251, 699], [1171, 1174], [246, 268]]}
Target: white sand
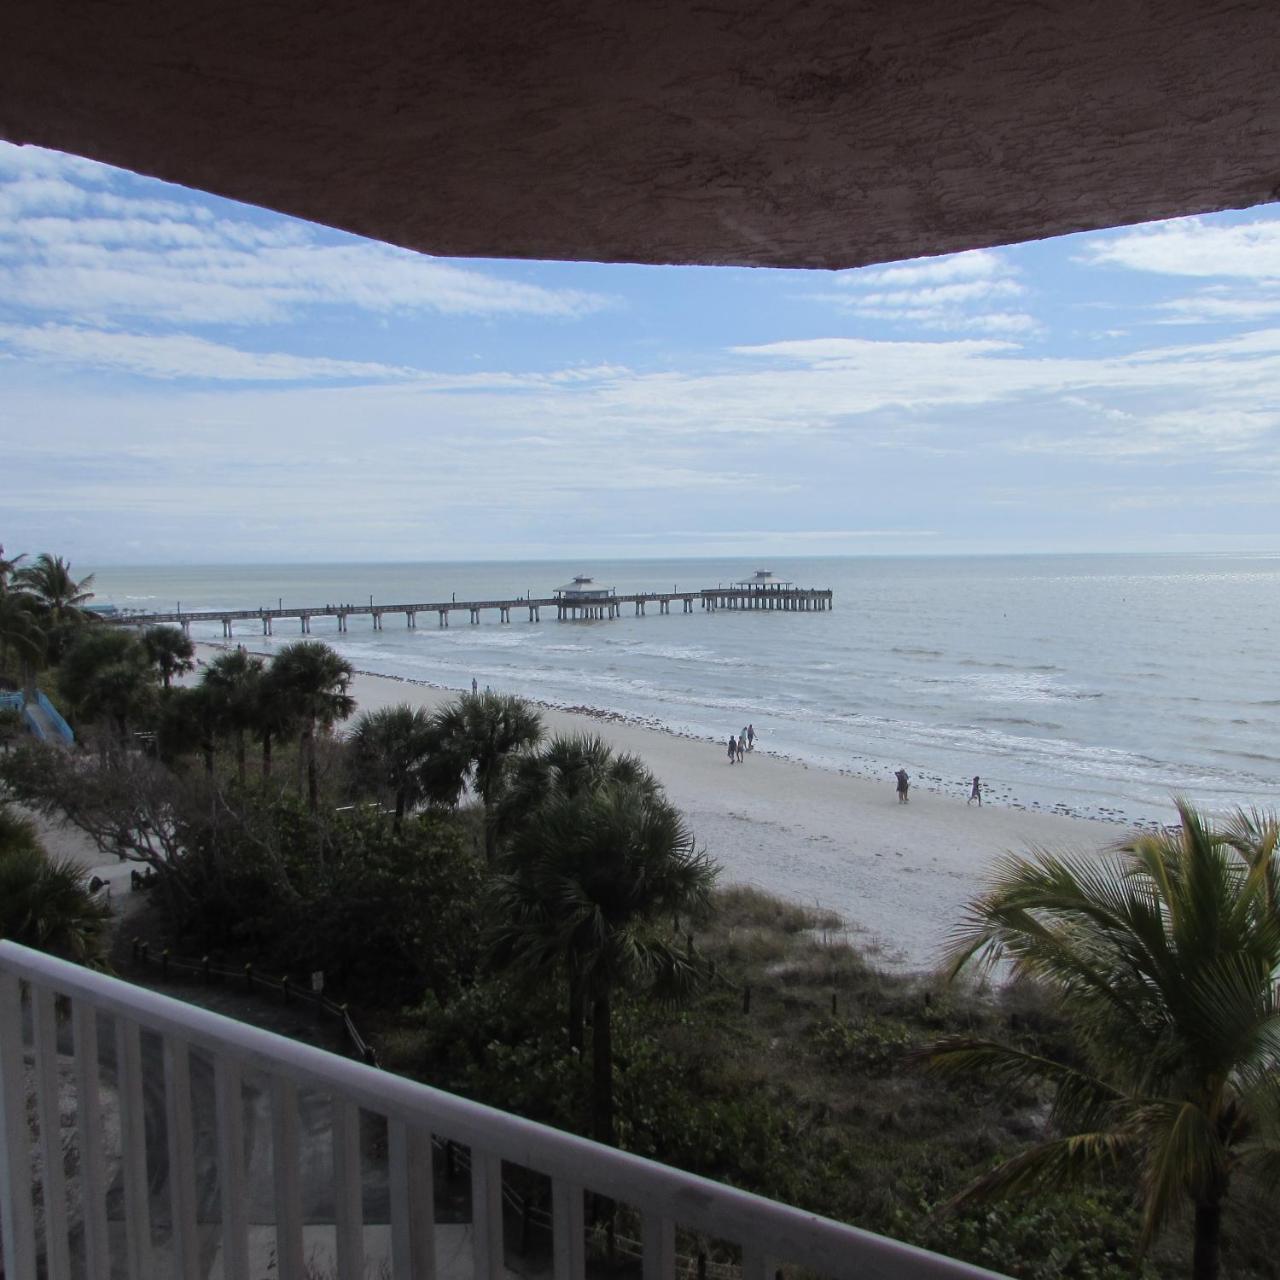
{"points": [[898, 874]]}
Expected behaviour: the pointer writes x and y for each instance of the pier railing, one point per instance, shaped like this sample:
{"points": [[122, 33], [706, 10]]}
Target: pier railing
{"points": [[97, 1046]]}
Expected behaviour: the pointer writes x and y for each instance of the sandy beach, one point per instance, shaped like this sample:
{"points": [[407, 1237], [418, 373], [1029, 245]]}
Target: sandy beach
{"points": [[898, 874]]}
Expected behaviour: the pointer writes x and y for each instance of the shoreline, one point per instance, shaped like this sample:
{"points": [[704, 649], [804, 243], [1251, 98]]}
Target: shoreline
{"points": [[899, 875], [919, 781]]}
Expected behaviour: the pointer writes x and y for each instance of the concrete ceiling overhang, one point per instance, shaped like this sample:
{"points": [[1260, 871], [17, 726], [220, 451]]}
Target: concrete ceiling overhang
{"points": [[804, 133]]}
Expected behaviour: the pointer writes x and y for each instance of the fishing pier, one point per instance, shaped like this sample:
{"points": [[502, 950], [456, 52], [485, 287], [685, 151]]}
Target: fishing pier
{"points": [[580, 600]]}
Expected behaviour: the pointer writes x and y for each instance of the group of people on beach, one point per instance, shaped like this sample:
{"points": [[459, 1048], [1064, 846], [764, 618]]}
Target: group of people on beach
{"points": [[903, 779], [744, 742]]}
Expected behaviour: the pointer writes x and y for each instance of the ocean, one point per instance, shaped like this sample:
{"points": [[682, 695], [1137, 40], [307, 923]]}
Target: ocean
{"points": [[1099, 685]]}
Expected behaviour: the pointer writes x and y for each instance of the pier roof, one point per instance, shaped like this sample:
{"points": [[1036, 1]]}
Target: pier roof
{"points": [[759, 132], [584, 587]]}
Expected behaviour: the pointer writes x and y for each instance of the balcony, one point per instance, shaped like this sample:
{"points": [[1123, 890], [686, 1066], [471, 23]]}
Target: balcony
{"points": [[188, 1145]]}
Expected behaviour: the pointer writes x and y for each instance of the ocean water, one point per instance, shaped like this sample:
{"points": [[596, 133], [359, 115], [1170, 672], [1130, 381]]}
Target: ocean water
{"points": [[1100, 685]]}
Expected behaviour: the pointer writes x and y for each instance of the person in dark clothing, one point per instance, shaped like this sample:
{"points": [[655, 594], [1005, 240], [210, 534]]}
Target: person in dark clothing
{"points": [[904, 783], [975, 792]]}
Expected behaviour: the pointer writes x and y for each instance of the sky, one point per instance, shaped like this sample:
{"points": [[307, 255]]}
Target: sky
{"points": [[184, 379]]}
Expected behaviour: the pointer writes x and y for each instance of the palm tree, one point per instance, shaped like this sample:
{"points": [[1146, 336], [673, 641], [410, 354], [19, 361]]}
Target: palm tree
{"points": [[234, 680], [1164, 955], [170, 650], [596, 877], [475, 738], [273, 718], [569, 766], [312, 680], [106, 675], [8, 567], [44, 902], [59, 597], [388, 748], [192, 719], [21, 635]]}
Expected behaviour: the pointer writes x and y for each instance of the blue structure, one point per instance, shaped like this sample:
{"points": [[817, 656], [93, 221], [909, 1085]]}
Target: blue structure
{"points": [[41, 717]]}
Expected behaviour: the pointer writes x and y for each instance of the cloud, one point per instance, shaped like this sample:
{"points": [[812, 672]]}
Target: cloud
{"points": [[1193, 247], [179, 356], [79, 240], [964, 292], [1217, 306], [974, 264]]}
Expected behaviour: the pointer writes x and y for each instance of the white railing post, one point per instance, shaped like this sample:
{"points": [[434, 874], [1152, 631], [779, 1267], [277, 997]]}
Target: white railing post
{"points": [[567, 1228], [288, 1192], [659, 1243], [413, 1208], [45, 1028], [93, 1179], [17, 1216], [133, 1149], [182, 1156], [347, 1190], [486, 1215], [231, 1180]]}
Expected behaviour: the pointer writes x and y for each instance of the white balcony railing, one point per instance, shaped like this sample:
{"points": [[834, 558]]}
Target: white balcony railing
{"points": [[171, 1141]]}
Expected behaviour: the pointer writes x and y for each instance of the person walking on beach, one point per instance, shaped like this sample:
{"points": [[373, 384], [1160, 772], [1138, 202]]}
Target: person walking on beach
{"points": [[975, 792], [475, 685], [733, 750], [751, 737], [904, 782], [742, 744]]}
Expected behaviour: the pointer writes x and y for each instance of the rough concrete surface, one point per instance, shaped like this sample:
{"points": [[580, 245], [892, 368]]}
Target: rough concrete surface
{"points": [[814, 133]]}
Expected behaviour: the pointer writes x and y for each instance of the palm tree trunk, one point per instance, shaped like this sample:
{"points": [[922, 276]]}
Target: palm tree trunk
{"points": [[207, 748], [490, 825], [400, 806], [313, 777], [266, 754], [1204, 1263], [240, 755], [577, 1013], [602, 1070]]}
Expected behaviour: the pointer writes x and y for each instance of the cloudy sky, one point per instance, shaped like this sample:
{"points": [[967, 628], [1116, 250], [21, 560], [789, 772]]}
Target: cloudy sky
{"points": [[187, 379]]}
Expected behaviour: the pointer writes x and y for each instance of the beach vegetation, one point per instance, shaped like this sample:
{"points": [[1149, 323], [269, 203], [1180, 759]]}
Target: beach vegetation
{"points": [[190, 720], [22, 637], [236, 680], [594, 880], [311, 680], [45, 902], [274, 717], [389, 749], [1163, 958], [60, 599], [476, 741], [106, 679], [171, 652]]}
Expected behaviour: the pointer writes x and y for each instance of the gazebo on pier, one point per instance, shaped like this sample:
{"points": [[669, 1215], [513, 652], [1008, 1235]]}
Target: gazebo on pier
{"points": [[763, 580], [765, 591], [585, 598]]}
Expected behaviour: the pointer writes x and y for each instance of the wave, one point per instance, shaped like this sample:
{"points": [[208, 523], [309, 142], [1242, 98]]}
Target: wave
{"points": [[1040, 669], [913, 651], [1019, 721]]}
